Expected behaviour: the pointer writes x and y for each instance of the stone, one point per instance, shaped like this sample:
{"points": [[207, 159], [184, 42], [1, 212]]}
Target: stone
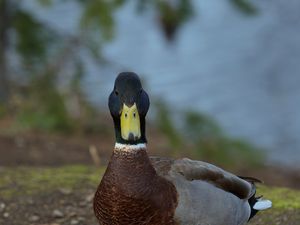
{"points": [[65, 191], [89, 198], [2, 206], [74, 222], [34, 218], [81, 218], [57, 213]]}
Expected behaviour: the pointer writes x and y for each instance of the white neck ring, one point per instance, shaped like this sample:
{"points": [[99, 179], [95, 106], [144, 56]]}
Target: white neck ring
{"points": [[130, 148]]}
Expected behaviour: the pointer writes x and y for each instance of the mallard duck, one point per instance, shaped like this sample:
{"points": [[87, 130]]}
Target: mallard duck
{"points": [[138, 189]]}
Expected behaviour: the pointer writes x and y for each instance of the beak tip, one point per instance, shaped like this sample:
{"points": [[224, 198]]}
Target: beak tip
{"points": [[131, 137]]}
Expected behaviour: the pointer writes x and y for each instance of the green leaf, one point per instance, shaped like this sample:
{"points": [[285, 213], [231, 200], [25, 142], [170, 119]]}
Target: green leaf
{"points": [[32, 37], [45, 2], [98, 16], [173, 15], [245, 6]]}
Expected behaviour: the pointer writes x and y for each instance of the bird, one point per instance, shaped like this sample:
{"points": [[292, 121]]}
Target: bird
{"points": [[137, 189]]}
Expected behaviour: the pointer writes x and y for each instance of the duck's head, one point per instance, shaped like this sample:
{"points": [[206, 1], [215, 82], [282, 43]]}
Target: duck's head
{"points": [[128, 104]]}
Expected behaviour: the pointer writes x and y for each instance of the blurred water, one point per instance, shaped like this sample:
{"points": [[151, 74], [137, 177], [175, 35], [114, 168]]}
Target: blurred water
{"points": [[244, 71]]}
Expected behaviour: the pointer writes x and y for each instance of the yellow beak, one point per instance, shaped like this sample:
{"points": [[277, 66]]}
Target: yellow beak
{"points": [[130, 123]]}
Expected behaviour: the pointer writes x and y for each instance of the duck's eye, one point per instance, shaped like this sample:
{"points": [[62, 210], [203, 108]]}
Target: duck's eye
{"points": [[116, 93], [134, 114], [125, 115], [141, 91]]}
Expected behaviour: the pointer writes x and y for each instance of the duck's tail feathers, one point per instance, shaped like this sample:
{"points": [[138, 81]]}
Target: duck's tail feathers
{"points": [[258, 204], [262, 204]]}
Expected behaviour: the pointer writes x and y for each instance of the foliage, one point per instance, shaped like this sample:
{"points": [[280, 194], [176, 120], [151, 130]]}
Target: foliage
{"points": [[204, 138], [2, 110], [245, 6], [165, 124], [33, 39], [211, 143], [44, 109], [173, 16], [99, 14]]}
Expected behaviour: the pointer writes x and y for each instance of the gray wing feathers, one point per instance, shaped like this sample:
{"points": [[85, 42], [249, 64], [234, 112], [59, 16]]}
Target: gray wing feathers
{"points": [[201, 203], [198, 170], [207, 195]]}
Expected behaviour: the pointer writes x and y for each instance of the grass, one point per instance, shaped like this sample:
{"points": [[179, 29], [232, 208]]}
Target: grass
{"points": [[29, 181], [285, 208], [282, 198]]}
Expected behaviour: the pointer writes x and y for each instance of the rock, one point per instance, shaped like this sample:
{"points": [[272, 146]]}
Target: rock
{"points": [[74, 222], [30, 201], [6, 215], [65, 191], [89, 198], [2, 206], [82, 203], [70, 210], [81, 219], [34, 218], [57, 213], [72, 214]]}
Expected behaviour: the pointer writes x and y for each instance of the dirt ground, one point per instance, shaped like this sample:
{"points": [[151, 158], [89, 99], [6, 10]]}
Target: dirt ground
{"points": [[50, 150], [65, 207], [56, 208], [29, 163]]}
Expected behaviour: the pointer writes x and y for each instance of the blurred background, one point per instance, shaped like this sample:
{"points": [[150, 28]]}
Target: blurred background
{"points": [[222, 76]]}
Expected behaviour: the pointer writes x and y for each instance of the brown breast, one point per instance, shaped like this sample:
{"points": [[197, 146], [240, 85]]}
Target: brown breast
{"points": [[131, 192]]}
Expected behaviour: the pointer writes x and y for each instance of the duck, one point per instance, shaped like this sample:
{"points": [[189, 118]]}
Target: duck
{"points": [[137, 189]]}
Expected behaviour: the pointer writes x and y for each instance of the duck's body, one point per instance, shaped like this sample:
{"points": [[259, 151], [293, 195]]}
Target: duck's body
{"points": [[136, 189], [204, 195]]}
